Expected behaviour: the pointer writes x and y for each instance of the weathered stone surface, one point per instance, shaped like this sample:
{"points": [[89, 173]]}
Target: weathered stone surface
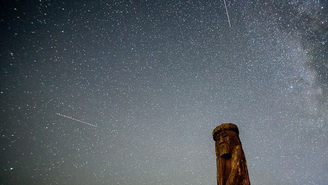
{"points": [[230, 158]]}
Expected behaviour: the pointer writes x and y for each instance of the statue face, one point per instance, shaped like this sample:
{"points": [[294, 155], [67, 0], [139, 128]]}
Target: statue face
{"points": [[223, 141]]}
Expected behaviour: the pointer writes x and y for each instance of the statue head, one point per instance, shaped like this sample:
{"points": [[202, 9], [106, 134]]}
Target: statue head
{"points": [[226, 137]]}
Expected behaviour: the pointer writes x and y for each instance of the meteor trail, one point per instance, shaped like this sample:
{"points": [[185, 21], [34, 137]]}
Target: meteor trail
{"points": [[225, 5], [62, 115]]}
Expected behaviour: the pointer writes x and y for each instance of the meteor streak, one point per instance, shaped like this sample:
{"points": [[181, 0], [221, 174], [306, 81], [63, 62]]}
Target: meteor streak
{"points": [[62, 115], [225, 5]]}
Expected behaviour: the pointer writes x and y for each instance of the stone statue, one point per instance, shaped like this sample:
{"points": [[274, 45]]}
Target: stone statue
{"points": [[230, 158]]}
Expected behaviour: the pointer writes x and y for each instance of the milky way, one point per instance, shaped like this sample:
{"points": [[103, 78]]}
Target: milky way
{"points": [[157, 77]]}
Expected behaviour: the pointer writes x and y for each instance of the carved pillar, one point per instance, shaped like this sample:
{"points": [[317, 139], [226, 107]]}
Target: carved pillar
{"points": [[230, 158]]}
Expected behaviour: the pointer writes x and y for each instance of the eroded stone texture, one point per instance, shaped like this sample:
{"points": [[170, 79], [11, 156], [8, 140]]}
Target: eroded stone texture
{"points": [[230, 158]]}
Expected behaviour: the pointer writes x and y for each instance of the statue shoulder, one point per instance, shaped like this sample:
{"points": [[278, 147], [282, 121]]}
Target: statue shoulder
{"points": [[237, 149], [237, 155]]}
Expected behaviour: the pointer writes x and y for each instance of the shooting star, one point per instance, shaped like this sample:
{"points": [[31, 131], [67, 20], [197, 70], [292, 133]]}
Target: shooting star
{"points": [[62, 115], [225, 5]]}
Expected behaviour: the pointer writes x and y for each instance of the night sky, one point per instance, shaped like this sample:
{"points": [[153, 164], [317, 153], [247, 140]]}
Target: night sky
{"points": [[129, 92]]}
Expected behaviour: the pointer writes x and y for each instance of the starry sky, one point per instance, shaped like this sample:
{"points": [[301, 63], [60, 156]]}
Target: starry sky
{"points": [[129, 92]]}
